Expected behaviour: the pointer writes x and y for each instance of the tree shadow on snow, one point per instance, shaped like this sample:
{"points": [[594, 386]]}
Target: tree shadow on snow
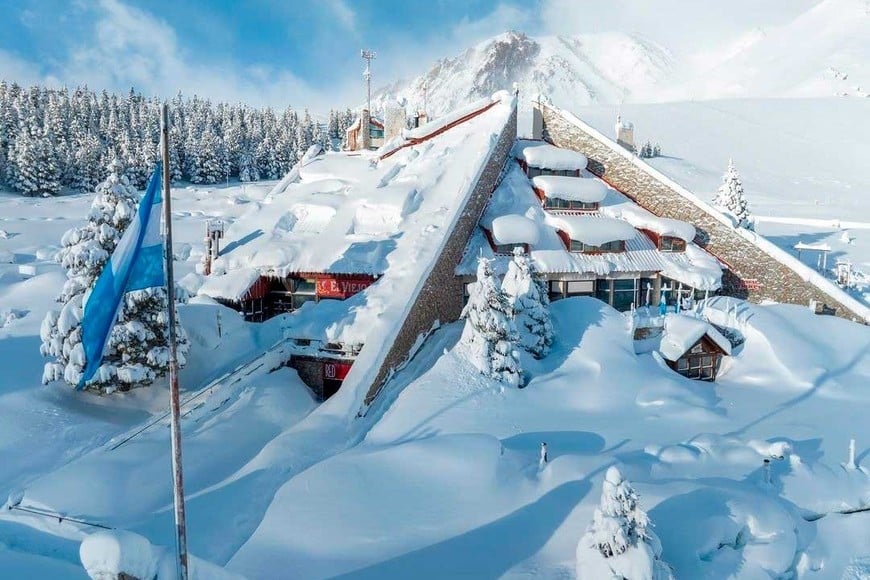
{"points": [[490, 550], [241, 242], [558, 442]]}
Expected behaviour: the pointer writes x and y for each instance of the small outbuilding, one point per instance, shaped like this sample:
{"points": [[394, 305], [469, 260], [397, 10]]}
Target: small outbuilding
{"points": [[692, 347]]}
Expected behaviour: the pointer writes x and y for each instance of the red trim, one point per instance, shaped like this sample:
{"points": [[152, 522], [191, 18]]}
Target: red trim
{"points": [[459, 121], [566, 239]]}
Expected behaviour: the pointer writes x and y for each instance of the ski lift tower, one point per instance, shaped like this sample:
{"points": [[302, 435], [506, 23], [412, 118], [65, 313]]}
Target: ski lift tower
{"points": [[368, 56]]}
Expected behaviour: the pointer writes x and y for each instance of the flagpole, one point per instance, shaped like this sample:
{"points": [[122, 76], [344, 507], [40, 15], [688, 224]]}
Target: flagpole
{"points": [[178, 478]]}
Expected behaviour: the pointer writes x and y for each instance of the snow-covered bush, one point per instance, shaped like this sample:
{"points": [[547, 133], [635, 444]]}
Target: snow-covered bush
{"points": [[528, 297], [620, 542], [136, 352], [489, 331], [732, 198]]}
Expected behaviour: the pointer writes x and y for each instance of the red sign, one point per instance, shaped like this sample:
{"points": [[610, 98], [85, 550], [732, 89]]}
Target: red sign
{"points": [[335, 370], [341, 287]]}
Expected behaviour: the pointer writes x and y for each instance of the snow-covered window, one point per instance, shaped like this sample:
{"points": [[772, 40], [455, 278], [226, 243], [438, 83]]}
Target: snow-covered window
{"points": [[558, 203], [698, 366], [535, 171], [614, 246], [671, 244]]}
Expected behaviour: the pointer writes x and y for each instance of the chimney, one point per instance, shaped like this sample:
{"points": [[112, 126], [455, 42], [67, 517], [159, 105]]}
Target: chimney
{"points": [[214, 232], [365, 130]]}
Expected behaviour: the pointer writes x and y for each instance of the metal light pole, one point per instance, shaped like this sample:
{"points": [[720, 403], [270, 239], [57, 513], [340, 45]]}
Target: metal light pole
{"points": [[369, 56], [174, 406]]}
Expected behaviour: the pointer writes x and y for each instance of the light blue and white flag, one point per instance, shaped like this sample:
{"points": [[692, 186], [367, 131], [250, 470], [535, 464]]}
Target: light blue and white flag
{"points": [[136, 264]]}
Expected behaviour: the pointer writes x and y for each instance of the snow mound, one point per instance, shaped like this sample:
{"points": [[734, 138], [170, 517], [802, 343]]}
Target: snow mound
{"points": [[682, 332], [595, 230], [515, 229], [106, 555], [545, 156], [571, 188]]}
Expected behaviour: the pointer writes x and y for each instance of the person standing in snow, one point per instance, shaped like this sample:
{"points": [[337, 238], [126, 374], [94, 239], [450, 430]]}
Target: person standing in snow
{"points": [[544, 456]]}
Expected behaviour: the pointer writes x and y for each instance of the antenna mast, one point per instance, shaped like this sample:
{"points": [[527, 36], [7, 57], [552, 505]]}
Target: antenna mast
{"points": [[369, 56]]}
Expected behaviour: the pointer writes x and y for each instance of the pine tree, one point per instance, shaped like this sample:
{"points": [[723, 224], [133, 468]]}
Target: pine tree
{"points": [[528, 297], [489, 331], [731, 197], [620, 542], [135, 355]]}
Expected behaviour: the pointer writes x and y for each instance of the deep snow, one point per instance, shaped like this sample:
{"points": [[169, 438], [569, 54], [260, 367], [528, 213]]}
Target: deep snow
{"points": [[441, 478]]}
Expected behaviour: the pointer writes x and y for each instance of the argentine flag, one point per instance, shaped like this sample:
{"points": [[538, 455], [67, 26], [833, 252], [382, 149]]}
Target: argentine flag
{"points": [[136, 264]]}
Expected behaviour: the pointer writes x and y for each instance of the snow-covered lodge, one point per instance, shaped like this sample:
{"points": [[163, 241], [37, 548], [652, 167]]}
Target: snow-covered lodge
{"points": [[360, 246], [586, 238], [369, 250]]}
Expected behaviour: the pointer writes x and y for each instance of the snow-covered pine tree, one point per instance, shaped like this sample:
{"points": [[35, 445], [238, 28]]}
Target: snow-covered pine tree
{"points": [[732, 198], [620, 542], [528, 297], [657, 150], [489, 331], [136, 352]]}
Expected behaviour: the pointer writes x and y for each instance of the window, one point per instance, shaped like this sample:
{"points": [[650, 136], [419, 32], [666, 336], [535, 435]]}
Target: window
{"points": [[671, 244], [698, 366], [534, 171], [508, 248], [559, 203], [581, 288], [614, 246], [602, 290], [624, 294], [376, 133], [556, 292]]}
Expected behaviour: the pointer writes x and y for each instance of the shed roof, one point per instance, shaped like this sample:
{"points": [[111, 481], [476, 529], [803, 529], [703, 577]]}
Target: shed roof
{"points": [[514, 229], [545, 156], [683, 332], [594, 230], [583, 189]]}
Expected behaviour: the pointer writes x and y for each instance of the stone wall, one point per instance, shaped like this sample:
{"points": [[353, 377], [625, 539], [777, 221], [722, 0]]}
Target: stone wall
{"points": [[752, 272], [440, 297]]}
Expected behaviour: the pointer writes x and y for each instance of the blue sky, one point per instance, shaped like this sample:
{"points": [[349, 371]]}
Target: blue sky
{"points": [[305, 53], [260, 51]]}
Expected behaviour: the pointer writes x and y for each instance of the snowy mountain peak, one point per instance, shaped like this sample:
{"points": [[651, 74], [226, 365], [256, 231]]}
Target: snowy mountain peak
{"points": [[584, 69]]}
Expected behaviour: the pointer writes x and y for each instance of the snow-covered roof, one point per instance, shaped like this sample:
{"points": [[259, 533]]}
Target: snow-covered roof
{"points": [[545, 156], [642, 219], [514, 229], [351, 213], [682, 332], [594, 230], [514, 196], [230, 286], [571, 188]]}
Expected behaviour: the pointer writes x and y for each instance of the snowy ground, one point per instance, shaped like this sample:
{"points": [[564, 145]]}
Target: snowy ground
{"points": [[441, 478], [802, 161]]}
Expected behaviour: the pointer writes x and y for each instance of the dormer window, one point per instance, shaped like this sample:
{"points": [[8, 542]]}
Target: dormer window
{"points": [[556, 203], [508, 249], [512, 231], [606, 247], [671, 244]]}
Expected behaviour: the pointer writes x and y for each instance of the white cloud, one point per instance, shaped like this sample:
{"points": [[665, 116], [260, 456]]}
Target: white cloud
{"points": [[15, 68], [343, 13]]}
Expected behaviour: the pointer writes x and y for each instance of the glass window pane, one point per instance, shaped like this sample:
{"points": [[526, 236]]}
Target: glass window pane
{"points": [[303, 286], [682, 364], [581, 287]]}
